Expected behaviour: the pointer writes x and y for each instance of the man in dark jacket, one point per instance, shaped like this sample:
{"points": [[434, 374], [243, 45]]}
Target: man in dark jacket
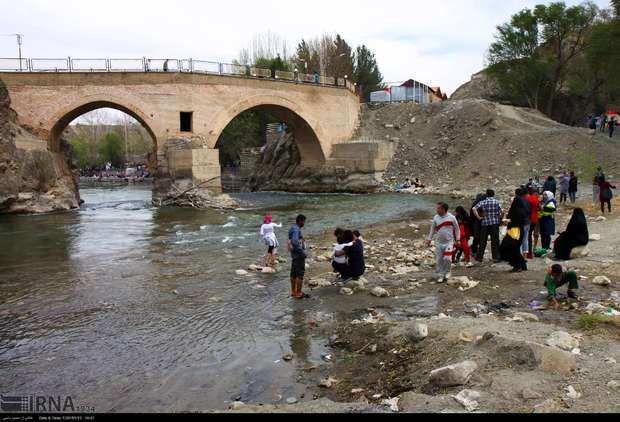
{"points": [[297, 247]]}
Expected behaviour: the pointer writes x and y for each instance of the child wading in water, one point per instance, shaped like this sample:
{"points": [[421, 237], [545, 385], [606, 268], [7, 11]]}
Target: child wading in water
{"points": [[267, 232]]}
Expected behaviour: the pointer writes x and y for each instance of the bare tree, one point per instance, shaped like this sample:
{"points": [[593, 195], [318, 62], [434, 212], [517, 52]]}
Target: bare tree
{"points": [[268, 45]]}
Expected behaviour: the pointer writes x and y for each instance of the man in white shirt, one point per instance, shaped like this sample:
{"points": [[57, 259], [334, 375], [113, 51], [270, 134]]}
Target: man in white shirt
{"points": [[448, 236]]}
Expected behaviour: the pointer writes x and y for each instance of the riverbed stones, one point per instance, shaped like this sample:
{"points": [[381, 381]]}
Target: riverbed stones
{"points": [[291, 400], [601, 280], [563, 341], [241, 272], [453, 375], [614, 385], [468, 399], [268, 270], [379, 292], [595, 237], [595, 308]]}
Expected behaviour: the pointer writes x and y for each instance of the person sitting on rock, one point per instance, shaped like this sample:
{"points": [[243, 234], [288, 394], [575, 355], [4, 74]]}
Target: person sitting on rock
{"points": [[556, 277], [418, 184], [576, 235]]}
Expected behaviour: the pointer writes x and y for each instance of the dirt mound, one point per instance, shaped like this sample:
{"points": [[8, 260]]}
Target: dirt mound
{"points": [[481, 86], [466, 145]]}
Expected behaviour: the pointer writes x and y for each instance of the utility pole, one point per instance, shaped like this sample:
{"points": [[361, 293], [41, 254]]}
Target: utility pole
{"points": [[19, 46]]}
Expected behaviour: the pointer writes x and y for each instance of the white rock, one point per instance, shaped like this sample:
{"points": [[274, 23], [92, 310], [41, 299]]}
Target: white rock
{"points": [[237, 405], [268, 270], [291, 400], [571, 393], [469, 399], [601, 219], [562, 340], [595, 308], [328, 382], [463, 283], [601, 280], [454, 375], [241, 272], [346, 291], [524, 316], [379, 292], [255, 268], [319, 283], [614, 385], [595, 237], [391, 403], [420, 332], [580, 252]]}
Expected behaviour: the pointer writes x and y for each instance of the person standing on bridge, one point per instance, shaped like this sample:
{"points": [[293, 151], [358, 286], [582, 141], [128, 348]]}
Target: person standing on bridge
{"points": [[297, 247], [166, 65]]}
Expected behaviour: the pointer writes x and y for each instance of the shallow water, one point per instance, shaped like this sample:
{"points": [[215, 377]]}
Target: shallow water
{"points": [[88, 306]]}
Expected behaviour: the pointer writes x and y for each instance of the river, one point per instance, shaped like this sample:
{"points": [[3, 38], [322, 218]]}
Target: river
{"points": [[130, 308]]}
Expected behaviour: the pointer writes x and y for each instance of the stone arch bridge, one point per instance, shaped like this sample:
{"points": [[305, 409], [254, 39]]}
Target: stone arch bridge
{"points": [[193, 106]]}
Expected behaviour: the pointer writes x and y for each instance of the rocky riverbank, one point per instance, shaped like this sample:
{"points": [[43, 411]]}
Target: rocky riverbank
{"points": [[32, 179], [485, 342]]}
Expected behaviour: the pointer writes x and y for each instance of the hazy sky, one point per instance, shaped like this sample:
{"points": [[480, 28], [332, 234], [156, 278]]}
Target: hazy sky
{"points": [[439, 42]]}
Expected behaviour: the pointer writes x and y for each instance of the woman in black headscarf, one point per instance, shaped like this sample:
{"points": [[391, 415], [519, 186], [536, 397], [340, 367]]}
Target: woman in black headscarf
{"points": [[510, 248], [576, 234], [475, 225]]}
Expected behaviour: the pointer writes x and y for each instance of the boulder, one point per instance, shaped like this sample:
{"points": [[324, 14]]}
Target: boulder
{"points": [[268, 270], [241, 272], [380, 292], [519, 352], [563, 341], [601, 280], [453, 375], [595, 308], [580, 252]]}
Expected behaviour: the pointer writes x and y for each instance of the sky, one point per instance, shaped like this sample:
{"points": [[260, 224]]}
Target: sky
{"points": [[439, 42]]}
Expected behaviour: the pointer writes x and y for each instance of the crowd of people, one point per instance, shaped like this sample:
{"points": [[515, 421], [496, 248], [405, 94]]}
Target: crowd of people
{"points": [[603, 123], [133, 171], [529, 221]]}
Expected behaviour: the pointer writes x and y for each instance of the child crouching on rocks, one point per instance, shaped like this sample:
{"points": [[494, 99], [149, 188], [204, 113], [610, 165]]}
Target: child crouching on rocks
{"points": [[556, 277]]}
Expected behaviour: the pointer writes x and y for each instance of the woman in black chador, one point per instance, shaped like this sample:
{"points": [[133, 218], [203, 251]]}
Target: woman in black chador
{"points": [[576, 234]]}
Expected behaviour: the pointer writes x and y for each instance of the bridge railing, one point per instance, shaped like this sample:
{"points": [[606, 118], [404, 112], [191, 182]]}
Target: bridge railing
{"points": [[144, 64]]}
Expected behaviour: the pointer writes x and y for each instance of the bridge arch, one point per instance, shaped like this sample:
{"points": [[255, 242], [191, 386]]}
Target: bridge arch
{"points": [[61, 120], [307, 132]]}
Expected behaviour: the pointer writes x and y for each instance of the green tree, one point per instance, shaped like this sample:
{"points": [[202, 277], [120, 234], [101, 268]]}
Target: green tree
{"points": [[247, 130], [82, 154], [112, 149], [615, 4], [532, 55], [366, 73]]}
